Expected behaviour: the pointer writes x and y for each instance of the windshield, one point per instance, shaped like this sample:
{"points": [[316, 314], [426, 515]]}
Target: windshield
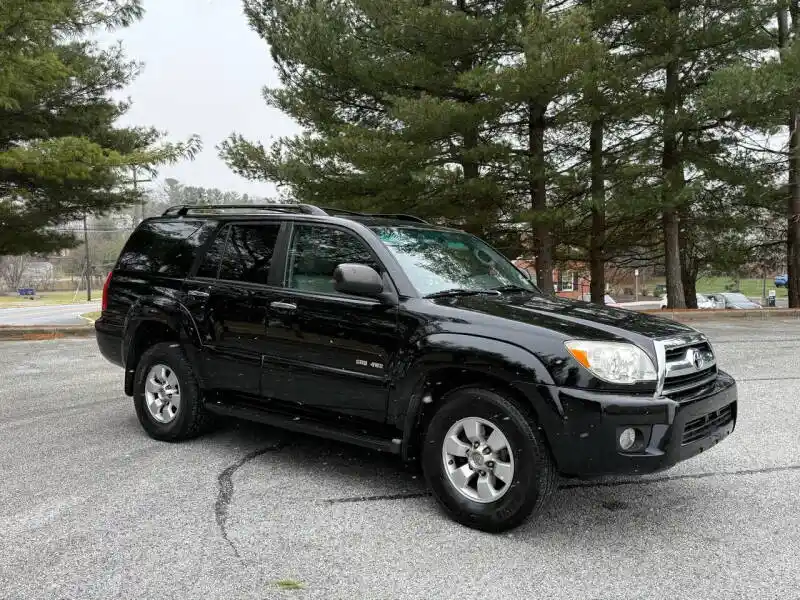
{"points": [[436, 261]]}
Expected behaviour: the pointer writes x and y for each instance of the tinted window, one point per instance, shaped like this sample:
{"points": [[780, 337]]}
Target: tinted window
{"points": [[165, 248], [315, 253], [248, 253], [211, 261]]}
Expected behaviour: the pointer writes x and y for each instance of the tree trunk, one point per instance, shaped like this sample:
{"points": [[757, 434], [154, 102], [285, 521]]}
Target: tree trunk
{"points": [[597, 263], [542, 234], [690, 266], [689, 272], [672, 175], [675, 293], [793, 208]]}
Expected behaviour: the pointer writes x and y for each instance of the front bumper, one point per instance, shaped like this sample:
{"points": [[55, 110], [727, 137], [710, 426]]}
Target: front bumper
{"points": [[584, 437]]}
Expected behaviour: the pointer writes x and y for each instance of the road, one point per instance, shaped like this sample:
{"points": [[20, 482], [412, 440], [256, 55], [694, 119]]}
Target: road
{"points": [[57, 314], [92, 508]]}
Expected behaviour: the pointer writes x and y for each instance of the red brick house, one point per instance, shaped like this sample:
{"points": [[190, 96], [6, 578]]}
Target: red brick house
{"points": [[570, 280]]}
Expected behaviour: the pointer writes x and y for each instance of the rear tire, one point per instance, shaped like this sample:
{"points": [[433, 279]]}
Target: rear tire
{"points": [[167, 397], [490, 497]]}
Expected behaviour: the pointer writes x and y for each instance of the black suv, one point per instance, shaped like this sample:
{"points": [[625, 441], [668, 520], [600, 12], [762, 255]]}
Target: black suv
{"points": [[405, 337]]}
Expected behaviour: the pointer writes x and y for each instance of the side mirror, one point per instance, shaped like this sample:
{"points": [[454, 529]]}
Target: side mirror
{"points": [[357, 279]]}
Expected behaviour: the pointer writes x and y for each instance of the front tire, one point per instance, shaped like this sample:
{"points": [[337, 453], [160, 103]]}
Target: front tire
{"points": [[486, 461], [167, 397]]}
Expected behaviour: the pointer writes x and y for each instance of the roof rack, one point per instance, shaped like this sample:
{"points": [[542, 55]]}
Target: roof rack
{"points": [[398, 216], [184, 209], [305, 209]]}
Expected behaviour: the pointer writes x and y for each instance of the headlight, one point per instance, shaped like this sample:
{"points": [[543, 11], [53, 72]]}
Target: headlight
{"points": [[615, 362]]}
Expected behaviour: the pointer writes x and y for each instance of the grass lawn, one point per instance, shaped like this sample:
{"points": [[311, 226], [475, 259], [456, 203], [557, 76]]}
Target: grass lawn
{"points": [[749, 287], [92, 316], [45, 298]]}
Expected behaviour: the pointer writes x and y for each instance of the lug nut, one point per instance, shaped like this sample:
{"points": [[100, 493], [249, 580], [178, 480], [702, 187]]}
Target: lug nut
{"points": [[490, 464], [483, 473], [450, 462], [487, 450], [475, 444]]}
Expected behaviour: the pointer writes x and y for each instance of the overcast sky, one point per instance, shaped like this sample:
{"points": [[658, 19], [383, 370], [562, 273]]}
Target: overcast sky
{"points": [[204, 70]]}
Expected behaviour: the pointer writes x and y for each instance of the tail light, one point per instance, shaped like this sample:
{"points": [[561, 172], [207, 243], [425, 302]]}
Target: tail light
{"points": [[104, 302]]}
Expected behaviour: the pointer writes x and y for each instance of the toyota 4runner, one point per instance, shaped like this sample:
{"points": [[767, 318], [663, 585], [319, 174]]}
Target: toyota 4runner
{"points": [[405, 337]]}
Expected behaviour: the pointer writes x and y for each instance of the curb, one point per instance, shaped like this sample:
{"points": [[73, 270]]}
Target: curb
{"points": [[763, 314], [28, 334]]}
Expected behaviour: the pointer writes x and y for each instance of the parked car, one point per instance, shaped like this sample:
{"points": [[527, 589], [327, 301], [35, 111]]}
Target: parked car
{"points": [[391, 333], [703, 302], [781, 281], [733, 300], [608, 300]]}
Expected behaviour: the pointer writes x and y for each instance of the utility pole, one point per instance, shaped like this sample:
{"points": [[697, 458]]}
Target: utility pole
{"points": [[88, 264], [136, 181]]}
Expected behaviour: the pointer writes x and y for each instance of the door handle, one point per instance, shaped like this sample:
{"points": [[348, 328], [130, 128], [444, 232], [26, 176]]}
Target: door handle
{"points": [[288, 306], [198, 293]]}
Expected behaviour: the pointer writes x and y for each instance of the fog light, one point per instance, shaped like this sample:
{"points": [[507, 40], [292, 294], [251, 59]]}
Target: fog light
{"points": [[627, 438]]}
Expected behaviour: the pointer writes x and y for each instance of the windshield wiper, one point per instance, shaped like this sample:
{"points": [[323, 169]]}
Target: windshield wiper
{"points": [[511, 288], [461, 292]]}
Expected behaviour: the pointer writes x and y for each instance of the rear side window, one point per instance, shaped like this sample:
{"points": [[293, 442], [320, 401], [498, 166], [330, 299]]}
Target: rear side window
{"points": [[166, 248], [213, 257], [248, 252]]}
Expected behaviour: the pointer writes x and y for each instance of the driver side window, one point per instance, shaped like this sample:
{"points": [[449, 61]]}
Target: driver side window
{"points": [[316, 251]]}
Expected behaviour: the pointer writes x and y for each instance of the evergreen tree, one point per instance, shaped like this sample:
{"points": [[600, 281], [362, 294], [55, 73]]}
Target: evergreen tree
{"points": [[439, 107], [61, 156], [760, 98], [383, 91], [681, 43]]}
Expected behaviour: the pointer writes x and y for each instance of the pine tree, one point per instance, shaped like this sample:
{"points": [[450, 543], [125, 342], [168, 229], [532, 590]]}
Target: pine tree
{"points": [[441, 108], [61, 157], [758, 97], [681, 43], [383, 92]]}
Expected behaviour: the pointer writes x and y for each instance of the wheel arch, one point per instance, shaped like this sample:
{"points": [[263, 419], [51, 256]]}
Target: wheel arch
{"points": [[147, 324], [494, 365]]}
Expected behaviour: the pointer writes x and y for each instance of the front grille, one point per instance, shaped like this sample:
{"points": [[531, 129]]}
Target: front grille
{"points": [[675, 353], [697, 429], [680, 387], [683, 379]]}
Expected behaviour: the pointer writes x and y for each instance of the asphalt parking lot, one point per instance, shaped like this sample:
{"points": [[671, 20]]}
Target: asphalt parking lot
{"points": [[92, 508]]}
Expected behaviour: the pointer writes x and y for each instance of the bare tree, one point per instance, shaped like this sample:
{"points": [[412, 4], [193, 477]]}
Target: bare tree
{"points": [[12, 270]]}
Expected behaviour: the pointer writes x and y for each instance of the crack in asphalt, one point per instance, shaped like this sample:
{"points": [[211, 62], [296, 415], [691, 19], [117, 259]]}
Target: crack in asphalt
{"points": [[225, 491], [585, 484]]}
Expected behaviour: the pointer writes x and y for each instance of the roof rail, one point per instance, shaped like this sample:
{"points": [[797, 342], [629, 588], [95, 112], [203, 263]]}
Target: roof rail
{"points": [[184, 209], [306, 209], [398, 216]]}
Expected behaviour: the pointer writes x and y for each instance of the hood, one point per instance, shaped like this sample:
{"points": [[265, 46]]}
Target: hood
{"points": [[572, 318]]}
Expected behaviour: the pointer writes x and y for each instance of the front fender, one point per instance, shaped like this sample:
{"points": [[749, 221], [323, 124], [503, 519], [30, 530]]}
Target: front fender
{"points": [[475, 355]]}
